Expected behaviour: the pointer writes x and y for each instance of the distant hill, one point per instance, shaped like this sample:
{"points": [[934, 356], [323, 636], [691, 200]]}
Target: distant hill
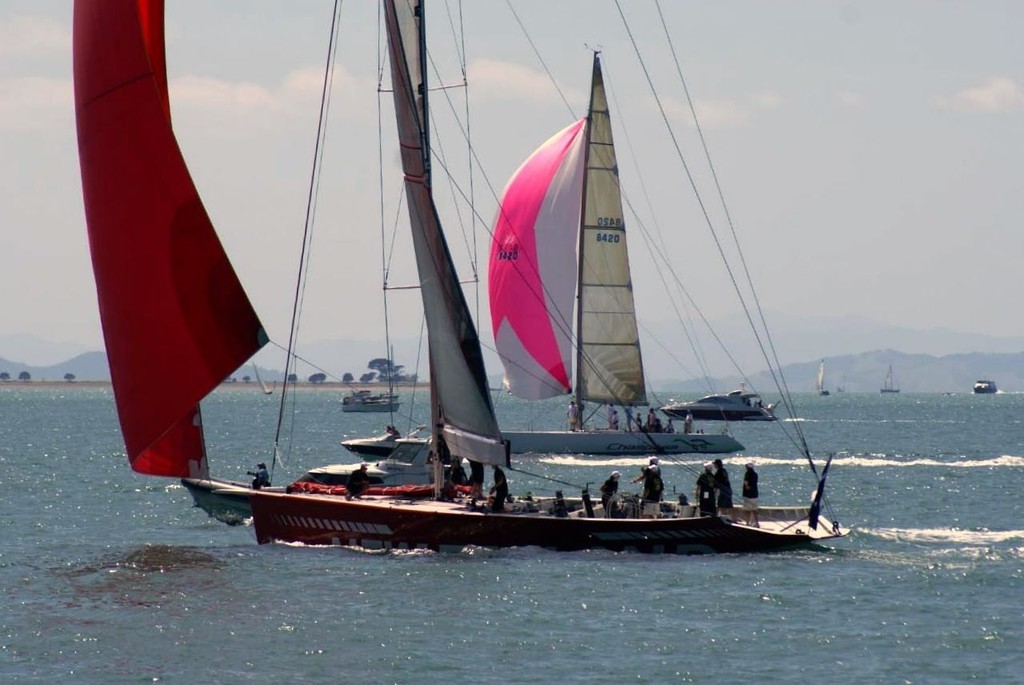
{"points": [[866, 372], [90, 366], [862, 372]]}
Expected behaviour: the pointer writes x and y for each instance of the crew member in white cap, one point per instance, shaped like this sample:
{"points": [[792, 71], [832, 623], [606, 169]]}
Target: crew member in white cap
{"points": [[706, 491]]}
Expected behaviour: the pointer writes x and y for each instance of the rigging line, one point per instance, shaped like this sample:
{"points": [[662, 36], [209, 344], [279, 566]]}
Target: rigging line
{"points": [[707, 220], [782, 386], [469, 154], [714, 176], [302, 359], [394, 235], [540, 59], [566, 326], [470, 249], [332, 46], [693, 304], [384, 257], [714, 334], [548, 478], [692, 339]]}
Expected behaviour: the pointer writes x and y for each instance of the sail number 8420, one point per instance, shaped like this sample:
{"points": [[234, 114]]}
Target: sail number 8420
{"points": [[603, 221]]}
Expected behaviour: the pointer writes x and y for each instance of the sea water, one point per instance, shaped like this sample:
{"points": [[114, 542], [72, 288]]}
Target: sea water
{"points": [[112, 577]]}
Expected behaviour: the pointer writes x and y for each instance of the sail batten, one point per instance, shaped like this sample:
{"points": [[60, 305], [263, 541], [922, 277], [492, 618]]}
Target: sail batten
{"points": [[175, 318]]}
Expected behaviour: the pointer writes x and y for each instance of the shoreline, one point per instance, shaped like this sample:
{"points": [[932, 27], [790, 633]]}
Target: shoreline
{"points": [[236, 386]]}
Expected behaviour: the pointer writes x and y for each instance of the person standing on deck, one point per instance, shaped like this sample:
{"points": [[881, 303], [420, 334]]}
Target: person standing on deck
{"points": [[723, 486], [476, 480], [610, 493], [499, 491], [573, 415], [750, 495], [705, 492], [688, 423], [613, 418]]}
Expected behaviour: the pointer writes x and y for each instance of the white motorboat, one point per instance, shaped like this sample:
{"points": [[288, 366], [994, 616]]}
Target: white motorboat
{"points": [[984, 387], [228, 500], [367, 401], [738, 405], [378, 446]]}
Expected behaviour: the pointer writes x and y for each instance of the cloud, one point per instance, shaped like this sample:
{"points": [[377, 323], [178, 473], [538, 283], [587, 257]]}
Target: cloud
{"points": [[496, 80], [998, 94], [211, 93], [34, 103], [724, 114], [296, 94], [33, 35]]}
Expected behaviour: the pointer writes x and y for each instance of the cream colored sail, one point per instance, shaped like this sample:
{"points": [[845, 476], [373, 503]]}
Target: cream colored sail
{"points": [[609, 366]]}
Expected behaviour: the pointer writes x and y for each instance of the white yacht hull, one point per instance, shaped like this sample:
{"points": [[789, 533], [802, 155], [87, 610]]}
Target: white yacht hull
{"points": [[608, 442]]}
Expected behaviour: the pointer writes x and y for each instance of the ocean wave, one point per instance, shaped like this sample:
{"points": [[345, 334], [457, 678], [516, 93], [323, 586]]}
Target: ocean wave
{"points": [[944, 535], [869, 461]]}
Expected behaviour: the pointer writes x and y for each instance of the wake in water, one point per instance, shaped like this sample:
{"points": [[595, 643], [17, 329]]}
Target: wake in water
{"points": [[944, 535], [869, 461]]}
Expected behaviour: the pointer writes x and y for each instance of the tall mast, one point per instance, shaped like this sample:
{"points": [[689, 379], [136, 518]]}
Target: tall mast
{"points": [[423, 92], [578, 384]]}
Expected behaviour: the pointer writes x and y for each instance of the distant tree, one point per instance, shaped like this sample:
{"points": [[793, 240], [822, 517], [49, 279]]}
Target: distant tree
{"points": [[24, 376], [347, 378], [367, 377], [246, 379], [386, 369], [318, 378], [4, 376], [293, 378], [69, 377]]}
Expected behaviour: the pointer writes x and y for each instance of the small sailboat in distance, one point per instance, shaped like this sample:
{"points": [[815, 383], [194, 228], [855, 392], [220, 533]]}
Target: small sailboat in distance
{"points": [[889, 384], [821, 379]]}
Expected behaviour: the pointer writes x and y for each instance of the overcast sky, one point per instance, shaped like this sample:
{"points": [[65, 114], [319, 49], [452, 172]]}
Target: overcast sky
{"points": [[871, 153]]}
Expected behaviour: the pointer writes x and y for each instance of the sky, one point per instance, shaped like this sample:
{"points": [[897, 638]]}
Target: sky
{"points": [[870, 153]]}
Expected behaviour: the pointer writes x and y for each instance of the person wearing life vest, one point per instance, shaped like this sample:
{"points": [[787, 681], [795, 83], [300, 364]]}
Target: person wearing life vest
{"points": [[653, 485]]}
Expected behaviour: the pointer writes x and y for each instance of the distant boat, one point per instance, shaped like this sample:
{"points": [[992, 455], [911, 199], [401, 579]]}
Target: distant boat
{"points": [[889, 385], [985, 387], [738, 405], [366, 401], [821, 379]]}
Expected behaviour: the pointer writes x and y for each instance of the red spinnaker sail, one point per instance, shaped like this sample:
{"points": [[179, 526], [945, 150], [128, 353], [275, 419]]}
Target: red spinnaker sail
{"points": [[175, 318]]}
